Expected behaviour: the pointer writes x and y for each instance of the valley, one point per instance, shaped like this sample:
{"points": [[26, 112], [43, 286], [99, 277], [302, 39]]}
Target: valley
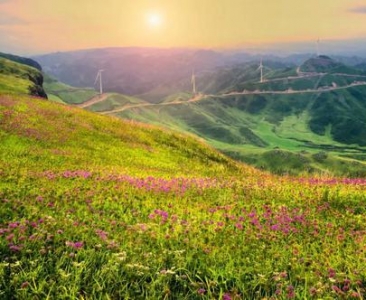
{"points": [[296, 112]]}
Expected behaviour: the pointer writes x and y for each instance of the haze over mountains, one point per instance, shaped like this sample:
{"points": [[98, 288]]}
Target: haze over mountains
{"points": [[136, 71]]}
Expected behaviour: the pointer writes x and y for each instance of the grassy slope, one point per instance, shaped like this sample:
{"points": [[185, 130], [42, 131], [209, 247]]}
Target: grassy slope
{"points": [[60, 92], [16, 78], [101, 142], [250, 127], [114, 101], [98, 208]]}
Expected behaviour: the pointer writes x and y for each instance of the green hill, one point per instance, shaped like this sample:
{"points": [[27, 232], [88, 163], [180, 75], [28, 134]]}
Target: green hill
{"points": [[106, 143], [93, 207], [326, 64], [18, 78], [304, 113], [63, 93]]}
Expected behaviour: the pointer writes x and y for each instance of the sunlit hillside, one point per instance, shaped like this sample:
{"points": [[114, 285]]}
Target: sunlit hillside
{"points": [[94, 207]]}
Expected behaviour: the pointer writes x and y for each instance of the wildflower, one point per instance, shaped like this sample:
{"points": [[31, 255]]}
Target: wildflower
{"points": [[13, 225], [290, 292], [15, 248], [337, 290], [10, 237], [75, 245], [24, 285], [201, 291], [226, 296], [331, 273], [313, 291], [239, 226]]}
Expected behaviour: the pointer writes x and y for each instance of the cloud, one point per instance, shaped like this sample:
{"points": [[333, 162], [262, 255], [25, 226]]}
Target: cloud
{"points": [[358, 10]]}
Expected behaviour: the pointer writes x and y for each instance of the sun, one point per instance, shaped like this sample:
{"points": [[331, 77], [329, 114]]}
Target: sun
{"points": [[154, 20]]}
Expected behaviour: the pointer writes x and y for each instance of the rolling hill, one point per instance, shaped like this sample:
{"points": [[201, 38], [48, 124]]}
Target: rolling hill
{"points": [[63, 93], [297, 112], [306, 113], [95, 207]]}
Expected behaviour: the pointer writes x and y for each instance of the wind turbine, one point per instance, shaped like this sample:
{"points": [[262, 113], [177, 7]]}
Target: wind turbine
{"points": [[261, 69], [317, 47], [193, 81], [99, 76]]}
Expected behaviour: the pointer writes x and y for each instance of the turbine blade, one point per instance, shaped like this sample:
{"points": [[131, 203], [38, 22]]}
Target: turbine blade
{"points": [[96, 79]]}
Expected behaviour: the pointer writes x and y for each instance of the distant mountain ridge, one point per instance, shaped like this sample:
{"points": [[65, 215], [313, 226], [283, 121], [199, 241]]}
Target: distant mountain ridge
{"points": [[131, 71], [22, 60]]}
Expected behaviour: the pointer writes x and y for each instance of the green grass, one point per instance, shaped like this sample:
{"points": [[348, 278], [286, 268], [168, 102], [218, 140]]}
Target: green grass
{"points": [[17, 78], [67, 94], [114, 101], [245, 127], [94, 207]]}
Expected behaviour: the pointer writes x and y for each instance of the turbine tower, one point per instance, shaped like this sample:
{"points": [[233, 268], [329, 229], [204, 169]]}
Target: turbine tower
{"points": [[261, 69], [193, 81], [317, 47], [99, 76]]}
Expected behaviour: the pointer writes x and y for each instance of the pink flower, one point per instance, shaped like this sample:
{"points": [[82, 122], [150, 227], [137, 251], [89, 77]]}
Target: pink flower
{"points": [[226, 296], [75, 245]]}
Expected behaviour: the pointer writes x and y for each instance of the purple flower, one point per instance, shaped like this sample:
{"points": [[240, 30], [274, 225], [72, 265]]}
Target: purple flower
{"points": [[13, 225], [201, 291], [226, 296], [15, 248], [75, 245], [239, 226], [290, 292]]}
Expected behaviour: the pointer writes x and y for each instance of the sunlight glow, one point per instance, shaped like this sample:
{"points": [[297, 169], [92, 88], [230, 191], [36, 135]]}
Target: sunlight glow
{"points": [[154, 19]]}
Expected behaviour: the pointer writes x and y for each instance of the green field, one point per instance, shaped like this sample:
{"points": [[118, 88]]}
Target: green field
{"points": [[60, 92], [94, 207]]}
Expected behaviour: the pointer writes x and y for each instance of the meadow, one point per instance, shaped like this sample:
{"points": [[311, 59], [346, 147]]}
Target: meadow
{"points": [[93, 207]]}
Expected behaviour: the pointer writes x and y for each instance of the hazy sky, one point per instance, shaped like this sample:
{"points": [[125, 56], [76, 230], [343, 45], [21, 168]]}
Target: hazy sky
{"points": [[38, 26]]}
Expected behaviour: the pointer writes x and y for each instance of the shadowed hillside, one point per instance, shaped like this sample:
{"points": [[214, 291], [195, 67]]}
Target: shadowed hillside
{"points": [[19, 78]]}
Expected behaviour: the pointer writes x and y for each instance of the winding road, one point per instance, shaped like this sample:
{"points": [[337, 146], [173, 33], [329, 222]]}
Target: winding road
{"points": [[199, 97], [95, 99]]}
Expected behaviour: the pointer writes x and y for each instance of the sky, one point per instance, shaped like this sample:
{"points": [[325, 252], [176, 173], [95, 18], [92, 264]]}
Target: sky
{"points": [[41, 26]]}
